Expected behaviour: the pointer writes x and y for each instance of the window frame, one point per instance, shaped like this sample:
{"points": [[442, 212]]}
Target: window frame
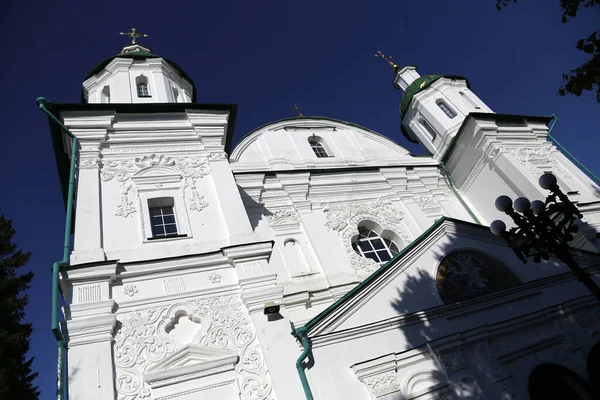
{"points": [[141, 81], [371, 236], [319, 147], [163, 203], [446, 109], [430, 130]]}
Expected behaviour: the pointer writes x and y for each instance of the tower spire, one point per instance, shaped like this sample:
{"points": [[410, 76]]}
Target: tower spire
{"points": [[388, 59]]}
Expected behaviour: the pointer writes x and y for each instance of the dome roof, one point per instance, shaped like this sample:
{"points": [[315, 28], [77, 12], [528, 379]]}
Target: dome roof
{"points": [[140, 55]]}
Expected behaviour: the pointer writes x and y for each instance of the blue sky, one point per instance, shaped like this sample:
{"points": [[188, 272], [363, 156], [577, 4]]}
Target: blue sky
{"points": [[267, 56]]}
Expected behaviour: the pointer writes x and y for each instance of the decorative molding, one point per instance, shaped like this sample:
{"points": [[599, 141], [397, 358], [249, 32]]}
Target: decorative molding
{"points": [[428, 204], [345, 218], [88, 293], [141, 342], [383, 384], [174, 285], [340, 216], [535, 157], [125, 207], [283, 217], [89, 162], [130, 290], [165, 149], [219, 155], [251, 269], [214, 277], [191, 169]]}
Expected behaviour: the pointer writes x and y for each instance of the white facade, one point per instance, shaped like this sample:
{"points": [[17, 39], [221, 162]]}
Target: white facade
{"points": [[181, 316]]}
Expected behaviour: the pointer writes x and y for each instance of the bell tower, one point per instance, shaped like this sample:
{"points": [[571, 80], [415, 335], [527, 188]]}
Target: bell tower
{"points": [[433, 107], [137, 76]]}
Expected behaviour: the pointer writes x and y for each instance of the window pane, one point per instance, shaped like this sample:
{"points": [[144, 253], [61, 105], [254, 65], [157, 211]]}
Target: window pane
{"points": [[157, 230], [365, 245], [384, 255], [363, 233], [372, 234], [171, 229], [393, 248], [155, 211], [169, 219], [372, 256], [377, 244]]}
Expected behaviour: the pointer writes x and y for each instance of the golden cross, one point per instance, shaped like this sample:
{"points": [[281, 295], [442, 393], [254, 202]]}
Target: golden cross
{"points": [[133, 35], [298, 110], [388, 59]]}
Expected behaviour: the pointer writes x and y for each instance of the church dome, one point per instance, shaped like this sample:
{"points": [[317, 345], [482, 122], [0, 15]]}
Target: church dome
{"points": [[139, 53]]}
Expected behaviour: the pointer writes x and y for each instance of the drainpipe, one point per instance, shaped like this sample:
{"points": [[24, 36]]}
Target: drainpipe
{"points": [[61, 393], [589, 173], [302, 335], [458, 196]]}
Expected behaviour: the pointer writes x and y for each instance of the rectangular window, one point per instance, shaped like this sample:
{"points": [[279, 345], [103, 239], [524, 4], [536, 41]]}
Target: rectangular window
{"points": [[142, 89], [162, 220]]}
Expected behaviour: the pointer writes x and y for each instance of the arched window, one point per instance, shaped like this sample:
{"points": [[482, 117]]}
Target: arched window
{"points": [[465, 274], [378, 246], [429, 129], [468, 99], [175, 95], [318, 146], [445, 108], [553, 381], [105, 95], [142, 86]]}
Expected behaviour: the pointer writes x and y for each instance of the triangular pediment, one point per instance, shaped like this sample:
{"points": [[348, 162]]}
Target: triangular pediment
{"points": [[407, 284], [192, 361]]}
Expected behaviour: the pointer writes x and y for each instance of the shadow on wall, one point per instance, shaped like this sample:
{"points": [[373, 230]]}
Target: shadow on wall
{"points": [[476, 366], [255, 210]]}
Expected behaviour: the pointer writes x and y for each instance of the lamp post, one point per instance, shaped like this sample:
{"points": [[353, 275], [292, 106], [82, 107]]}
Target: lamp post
{"points": [[543, 229]]}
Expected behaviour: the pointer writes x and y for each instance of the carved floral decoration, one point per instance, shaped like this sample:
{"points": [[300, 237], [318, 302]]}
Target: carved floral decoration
{"points": [[344, 218], [130, 290], [142, 340], [191, 169]]}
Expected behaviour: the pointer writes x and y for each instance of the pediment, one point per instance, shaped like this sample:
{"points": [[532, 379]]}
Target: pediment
{"points": [[189, 362], [407, 284]]}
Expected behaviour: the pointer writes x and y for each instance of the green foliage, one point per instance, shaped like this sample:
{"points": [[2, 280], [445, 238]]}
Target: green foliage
{"points": [[586, 76], [16, 377]]}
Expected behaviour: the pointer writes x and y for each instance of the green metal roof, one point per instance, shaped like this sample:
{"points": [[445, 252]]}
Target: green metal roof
{"points": [[140, 55]]}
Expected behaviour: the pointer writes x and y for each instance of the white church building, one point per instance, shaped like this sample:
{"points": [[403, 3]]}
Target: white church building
{"points": [[317, 259]]}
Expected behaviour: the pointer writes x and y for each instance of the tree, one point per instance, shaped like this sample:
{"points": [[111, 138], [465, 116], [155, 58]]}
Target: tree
{"points": [[587, 75], [16, 377]]}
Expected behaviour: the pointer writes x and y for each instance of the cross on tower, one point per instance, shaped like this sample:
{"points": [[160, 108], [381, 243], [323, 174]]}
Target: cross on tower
{"points": [[388, 59], [298, 110], [133, 34]]}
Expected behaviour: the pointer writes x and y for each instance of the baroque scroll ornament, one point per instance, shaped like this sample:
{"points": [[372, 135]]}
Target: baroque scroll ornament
{"points": [[191, 169], [345, 218], [143, 340]]}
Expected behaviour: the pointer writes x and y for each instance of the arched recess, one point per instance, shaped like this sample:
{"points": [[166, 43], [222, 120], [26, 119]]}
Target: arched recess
{"points": [[553, 381], [105, 95], [142, 87], [464, 274]]}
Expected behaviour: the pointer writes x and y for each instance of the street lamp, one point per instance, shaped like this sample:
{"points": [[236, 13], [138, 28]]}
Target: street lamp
{"points": [[543, 229]]}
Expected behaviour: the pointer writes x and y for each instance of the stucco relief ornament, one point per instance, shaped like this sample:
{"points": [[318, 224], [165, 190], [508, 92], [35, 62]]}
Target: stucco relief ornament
{"points": [[282, 217], [428, 204], [535, 157], [144, 339], [88, 163], [125, 206], [345, 218], [190, 168], [383, 384], [130, 290]]}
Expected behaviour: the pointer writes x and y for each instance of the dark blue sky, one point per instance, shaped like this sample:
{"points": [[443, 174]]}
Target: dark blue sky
{"points": [[267, 56]]}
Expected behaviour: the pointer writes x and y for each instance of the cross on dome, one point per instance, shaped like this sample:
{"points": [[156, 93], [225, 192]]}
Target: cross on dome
{"points": [[134, 35]]}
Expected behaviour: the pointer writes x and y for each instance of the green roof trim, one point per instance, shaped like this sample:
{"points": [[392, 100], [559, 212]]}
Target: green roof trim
{"points": [[411, 91], [62, 159], [310, 324], [140, 55]]}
